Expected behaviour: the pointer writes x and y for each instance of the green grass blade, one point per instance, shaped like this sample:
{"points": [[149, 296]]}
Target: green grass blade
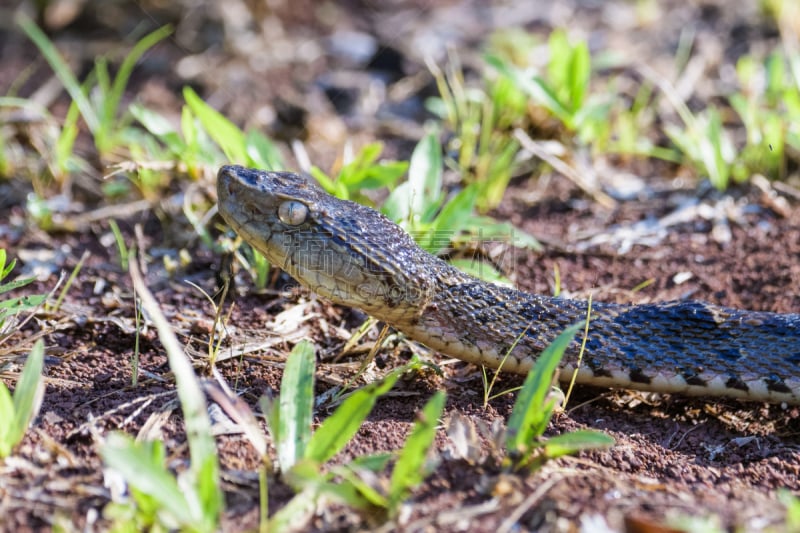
{"points": [[340, 427], [296, 404], [579, 71], [224, 132], [114, 96], [711, 146], [16, 284], [29, 391], [410, 471], [61, 69], [5, 270], [575, 441], [355, 477], [65, 157], [103, 134], [532, 410], [7, 429], [348, 489], [15, 305]]}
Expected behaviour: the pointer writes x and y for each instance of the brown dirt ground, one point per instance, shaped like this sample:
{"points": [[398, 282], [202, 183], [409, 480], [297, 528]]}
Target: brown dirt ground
{"points": [[674, 456]]}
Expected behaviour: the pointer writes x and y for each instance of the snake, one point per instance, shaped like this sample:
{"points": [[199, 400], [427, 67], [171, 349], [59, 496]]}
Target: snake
{"points": [[355, 256]]}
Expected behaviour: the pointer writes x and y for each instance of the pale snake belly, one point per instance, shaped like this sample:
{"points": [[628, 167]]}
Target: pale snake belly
{"points": [[355, 256]]}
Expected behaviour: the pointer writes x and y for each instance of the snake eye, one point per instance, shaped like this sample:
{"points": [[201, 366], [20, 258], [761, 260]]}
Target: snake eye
{"points": [[292, 212]]}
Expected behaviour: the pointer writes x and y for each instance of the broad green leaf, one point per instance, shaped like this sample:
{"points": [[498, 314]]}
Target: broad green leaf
{"points": [[409, 470], [487, 228], [425, 175], [159, 126], [384, 174], [792, 504], [558, 64], [453, 218], [224, 132], [336, 188], [262, 152], [775, 73], [141, 465], [579, 72], [397, 205], [354, 173], [153, 122], [296, 405], [337, 430], [481, 270]]}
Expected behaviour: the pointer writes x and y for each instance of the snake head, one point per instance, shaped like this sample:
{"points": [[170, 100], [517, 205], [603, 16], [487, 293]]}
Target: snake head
{"points": [[343, 250]]}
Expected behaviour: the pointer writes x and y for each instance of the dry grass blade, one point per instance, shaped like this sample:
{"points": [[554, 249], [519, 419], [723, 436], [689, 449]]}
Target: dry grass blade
{"points": [[560, 166], [204, 494], [198, 425]]}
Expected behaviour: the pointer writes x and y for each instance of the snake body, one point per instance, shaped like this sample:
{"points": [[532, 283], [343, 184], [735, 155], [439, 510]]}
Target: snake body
{"points": [[355, 256]]}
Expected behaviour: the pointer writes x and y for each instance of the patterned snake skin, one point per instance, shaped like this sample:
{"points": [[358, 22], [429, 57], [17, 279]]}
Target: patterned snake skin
{"points": [[355, 256]]}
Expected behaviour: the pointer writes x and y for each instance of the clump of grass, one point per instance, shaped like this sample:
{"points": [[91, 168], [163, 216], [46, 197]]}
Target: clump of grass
{"points": [[707, 141], [98, 97], [482, 120], [533, 409], [562, 87], [365, 171], [523, 439], [438, 221], [12, 308], [303, 454]]}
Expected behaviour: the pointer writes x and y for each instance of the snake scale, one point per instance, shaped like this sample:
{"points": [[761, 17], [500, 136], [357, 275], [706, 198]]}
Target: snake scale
{"points": [[355, 256]]}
